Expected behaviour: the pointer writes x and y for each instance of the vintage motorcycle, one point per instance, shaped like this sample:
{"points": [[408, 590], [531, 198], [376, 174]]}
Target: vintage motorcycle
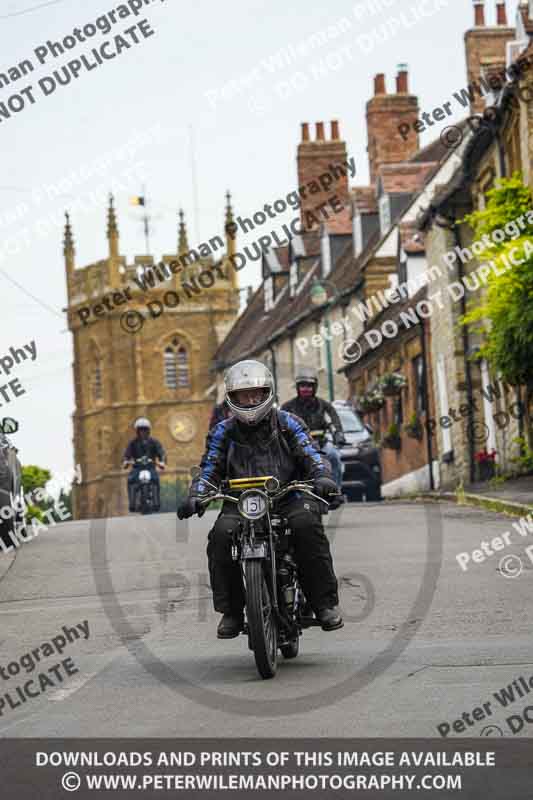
{"points": [[146, 500], [276, 609]]}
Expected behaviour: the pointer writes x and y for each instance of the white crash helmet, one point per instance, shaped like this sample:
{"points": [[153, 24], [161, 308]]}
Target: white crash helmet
{"points": [[249, 375], [142, 422]]}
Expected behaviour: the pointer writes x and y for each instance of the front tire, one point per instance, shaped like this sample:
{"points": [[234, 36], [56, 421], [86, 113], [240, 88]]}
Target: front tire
{"points": [[261, 623]]}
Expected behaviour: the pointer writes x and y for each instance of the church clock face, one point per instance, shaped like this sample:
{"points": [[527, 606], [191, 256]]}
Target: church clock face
{"points": [[182, 427]]}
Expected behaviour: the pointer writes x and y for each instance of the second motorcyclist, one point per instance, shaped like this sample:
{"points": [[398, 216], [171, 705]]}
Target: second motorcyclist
{"points": [[143, 445], [260, 440], [318, 414]]}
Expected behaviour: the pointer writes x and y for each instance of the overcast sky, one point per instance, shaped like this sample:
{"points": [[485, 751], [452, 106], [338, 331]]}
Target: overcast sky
{"points": [[245, 141]]}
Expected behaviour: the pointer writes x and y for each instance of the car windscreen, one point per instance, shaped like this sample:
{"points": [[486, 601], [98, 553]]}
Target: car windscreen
{"points": [[350, 421]]}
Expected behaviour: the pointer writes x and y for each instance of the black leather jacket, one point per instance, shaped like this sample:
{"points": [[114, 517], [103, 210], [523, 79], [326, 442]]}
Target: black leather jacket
{"points": [[280, 445], [314, 412], [138, 448]]}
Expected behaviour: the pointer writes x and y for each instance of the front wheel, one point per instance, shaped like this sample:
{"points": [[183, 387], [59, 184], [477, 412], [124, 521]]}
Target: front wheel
{"points": [[261, 623], [146, 499]]}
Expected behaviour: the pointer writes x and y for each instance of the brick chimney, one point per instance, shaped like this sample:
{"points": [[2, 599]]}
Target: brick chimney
{"points": [[485, 47], [322, 157], [384, 114]]}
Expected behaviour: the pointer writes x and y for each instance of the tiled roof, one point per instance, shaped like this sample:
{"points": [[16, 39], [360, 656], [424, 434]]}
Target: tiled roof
{"points": [[253, 330], [406, 177], [391, 312]]}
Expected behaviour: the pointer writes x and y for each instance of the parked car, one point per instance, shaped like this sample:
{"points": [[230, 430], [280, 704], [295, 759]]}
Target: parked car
{"points": [[10, 481], [360, 457]]}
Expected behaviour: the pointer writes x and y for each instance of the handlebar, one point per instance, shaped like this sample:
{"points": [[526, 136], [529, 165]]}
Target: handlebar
{"points": [[300, 486]]}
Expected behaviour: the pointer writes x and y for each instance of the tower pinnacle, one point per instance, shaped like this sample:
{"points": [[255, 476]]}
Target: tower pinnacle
{"points": [[112, 229], [183, 245]]}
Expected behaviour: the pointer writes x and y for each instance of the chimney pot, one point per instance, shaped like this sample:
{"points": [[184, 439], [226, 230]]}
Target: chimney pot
{"points": [[501, 14], [320, 131], [379, 84], [305, 131], [479, 13], [335, 129], [402, 79]]}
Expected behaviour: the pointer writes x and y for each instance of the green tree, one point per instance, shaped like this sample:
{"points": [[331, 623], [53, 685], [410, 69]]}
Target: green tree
{"points": [[505, 315], [34, 478]]}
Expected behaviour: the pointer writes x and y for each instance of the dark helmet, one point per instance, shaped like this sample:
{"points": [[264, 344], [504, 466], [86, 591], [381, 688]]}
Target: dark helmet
{"points": [[306, 375]]}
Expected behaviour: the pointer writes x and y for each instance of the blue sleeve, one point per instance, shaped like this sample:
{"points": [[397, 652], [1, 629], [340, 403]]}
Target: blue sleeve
{"points": [[213, 463], [312, 462]]}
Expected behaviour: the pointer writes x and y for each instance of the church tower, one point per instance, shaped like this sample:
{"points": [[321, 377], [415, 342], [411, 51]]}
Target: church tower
{"points": [[144, 335]]}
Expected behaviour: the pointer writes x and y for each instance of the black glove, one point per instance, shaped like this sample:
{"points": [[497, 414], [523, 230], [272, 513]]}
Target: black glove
{"points": [[191, 505], [324, 487], [338, 439]]}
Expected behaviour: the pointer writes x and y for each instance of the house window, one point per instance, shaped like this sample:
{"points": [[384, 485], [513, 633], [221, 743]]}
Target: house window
{"points": [[98, 388], [419, 384], [384, 213], [269, 294], [176, 366]]}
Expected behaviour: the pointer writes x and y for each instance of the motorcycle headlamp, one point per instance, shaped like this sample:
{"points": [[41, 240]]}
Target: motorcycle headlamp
{"points": [[253, 504]]}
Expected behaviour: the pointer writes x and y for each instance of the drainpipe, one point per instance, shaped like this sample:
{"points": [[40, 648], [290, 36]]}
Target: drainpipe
{"points": [[468, 372], [274, 368], [426, 403]]}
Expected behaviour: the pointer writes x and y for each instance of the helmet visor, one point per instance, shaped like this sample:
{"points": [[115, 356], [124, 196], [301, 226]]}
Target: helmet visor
{"points": [[249, 398]]}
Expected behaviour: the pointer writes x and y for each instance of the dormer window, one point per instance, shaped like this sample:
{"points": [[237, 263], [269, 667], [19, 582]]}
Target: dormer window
{"points": [[384, 213], [269, 294]]}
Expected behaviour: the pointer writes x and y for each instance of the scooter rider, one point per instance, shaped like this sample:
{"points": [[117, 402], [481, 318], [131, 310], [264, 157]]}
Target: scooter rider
{"points": [[317, 414], [258, 440], [143, 445]]}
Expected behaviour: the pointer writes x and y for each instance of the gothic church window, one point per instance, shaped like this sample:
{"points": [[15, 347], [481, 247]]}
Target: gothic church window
{"points": [[176, 366]]}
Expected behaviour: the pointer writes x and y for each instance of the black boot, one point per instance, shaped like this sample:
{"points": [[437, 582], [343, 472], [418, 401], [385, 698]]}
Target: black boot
{"points": [[330, 619], [229, 626]]}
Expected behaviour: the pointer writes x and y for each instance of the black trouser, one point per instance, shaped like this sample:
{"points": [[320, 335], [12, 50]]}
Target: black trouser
{"points": [[312, 553]]}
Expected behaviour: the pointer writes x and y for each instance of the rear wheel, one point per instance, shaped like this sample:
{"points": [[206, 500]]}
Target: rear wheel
{"points": [[261, 623]]}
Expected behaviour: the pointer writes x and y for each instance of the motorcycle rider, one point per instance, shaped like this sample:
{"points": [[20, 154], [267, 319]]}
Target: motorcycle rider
{"points": [[317, 414], [259, 440], [143, 445]]}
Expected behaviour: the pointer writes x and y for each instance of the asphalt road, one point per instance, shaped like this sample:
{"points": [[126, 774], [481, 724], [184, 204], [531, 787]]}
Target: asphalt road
{"points": [[423, 641]]}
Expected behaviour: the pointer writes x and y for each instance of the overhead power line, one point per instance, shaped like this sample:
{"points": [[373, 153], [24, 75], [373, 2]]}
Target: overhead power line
{"points": [[33, 8]]}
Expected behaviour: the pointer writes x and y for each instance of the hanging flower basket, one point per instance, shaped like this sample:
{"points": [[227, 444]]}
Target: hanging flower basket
{"points": [[392, 383], [414, 428], [370, 402], [392, 439]]}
